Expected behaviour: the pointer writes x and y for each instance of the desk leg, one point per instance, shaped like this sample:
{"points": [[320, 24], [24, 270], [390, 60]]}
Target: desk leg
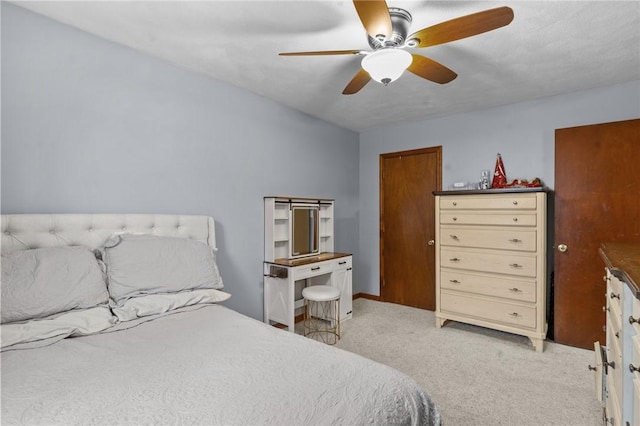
{"points": [[266, 289], [291, 309]]}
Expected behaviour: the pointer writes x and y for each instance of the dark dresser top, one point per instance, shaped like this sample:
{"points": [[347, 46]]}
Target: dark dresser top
{"points": [[493, 191], [623, 260]]}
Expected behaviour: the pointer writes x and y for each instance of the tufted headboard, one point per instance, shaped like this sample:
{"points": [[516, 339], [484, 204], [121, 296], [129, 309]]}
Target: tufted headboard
{"points": [[27, 231]]}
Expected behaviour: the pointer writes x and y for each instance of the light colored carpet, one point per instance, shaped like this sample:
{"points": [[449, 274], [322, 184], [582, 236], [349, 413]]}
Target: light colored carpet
{"points": [[477, 376]]}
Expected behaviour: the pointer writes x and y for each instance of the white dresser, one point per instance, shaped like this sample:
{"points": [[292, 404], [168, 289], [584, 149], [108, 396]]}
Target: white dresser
{"points": [[617, 366], [491, 260]]}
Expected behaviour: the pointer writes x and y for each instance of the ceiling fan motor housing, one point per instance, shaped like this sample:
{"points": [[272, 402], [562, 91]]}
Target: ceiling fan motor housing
{"points": [[400, 23]]}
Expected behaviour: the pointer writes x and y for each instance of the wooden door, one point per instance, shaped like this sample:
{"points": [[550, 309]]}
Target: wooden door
{"points": [[597, 199], [407, 225]]}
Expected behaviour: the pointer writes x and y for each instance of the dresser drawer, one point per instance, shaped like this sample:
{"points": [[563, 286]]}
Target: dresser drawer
{"points": [[615, 372], [636, 314], [635, 357], [614, 333], [485, 308], [508, 239], [343, 262], [612, 405], [490, 285], [313, 270], [488, 218], [614, 296], [502, 262], [635, 350], [636, 405], [506, 201]]}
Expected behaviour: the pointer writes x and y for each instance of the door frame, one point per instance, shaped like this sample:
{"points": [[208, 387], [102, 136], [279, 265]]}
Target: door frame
{"points": [[434, 149]]}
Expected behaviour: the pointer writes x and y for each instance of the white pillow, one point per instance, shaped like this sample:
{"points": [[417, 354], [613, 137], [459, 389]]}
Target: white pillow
{"points": [[154, 304], [41, 282], [71, 323], [139, 265]]}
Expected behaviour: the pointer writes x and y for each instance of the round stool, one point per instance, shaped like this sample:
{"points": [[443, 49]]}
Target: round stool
{"points": [[322, 313]]}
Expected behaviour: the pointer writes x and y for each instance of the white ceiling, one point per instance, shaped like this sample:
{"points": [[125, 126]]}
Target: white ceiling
{"points": [[550, 48]]}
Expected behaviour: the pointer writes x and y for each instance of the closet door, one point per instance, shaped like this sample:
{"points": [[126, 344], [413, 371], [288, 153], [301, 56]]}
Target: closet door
{"points": [[407, 226], [597, 199]]}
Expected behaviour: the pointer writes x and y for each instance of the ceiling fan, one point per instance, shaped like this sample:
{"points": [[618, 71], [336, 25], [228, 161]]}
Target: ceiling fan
{"points": [[387, 30]]}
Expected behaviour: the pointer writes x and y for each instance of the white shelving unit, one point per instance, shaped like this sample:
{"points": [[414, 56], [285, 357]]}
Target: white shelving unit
{"points": [[278, 222]]}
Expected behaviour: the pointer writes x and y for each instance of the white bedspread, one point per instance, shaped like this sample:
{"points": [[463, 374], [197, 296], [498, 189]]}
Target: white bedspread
{"points": [[205, 366]]}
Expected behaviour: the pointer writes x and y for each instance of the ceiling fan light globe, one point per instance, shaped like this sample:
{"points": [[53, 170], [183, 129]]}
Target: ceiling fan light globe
{"points": [[386, 65]]}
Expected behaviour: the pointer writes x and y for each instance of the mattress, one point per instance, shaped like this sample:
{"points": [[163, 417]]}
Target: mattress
{"points": [[204, 365]]}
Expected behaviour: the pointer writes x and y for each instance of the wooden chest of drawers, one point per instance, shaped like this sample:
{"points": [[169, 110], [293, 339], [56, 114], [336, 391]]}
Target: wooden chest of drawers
{"points": [[491, 260]]}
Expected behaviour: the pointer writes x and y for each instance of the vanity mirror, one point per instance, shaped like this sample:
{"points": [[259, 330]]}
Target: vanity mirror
{"points": [[304, 230]]}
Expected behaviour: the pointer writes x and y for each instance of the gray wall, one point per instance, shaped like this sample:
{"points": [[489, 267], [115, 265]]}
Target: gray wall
{"points": [[90, 126], [523, 133]]}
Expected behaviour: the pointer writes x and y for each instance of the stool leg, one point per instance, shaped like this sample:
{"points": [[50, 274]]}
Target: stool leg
{"points": [[305, 318], [338, 319], [321, 320]]}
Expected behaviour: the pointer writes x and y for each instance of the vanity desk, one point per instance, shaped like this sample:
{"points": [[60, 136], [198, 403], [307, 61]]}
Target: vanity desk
{"points": [[284, 280], [298, 252]]}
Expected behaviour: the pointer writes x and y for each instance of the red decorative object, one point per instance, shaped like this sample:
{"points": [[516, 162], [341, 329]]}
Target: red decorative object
{"points": [[499, 176], [523, 183]]}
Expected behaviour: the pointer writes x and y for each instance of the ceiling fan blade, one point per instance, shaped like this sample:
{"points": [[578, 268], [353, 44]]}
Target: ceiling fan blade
{"points": [[357, 83], [431, 70], [374, 15], [463, 27], [323, 52]]}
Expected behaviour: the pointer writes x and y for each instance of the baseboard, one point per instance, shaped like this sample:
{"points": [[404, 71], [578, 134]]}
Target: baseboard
{"points": [[367, 296]]}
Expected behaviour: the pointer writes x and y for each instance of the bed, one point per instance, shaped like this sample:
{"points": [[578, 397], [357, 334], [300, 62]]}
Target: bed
{"points": [[165, 355]]}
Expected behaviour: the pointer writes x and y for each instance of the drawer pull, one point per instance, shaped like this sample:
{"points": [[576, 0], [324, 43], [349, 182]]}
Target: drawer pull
{"points": [[455, 281], [611, 364], [606, 309], [617, 334], [455, 204], [632, 320], [515, 240], [515, 203], [633, 368], [455, 237], [455, 218], [614, 296], [515, 265], [515, 219], [514, 314], [591, 368], [342, 263], [317, 268], [515, 290], [455, 259]]}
